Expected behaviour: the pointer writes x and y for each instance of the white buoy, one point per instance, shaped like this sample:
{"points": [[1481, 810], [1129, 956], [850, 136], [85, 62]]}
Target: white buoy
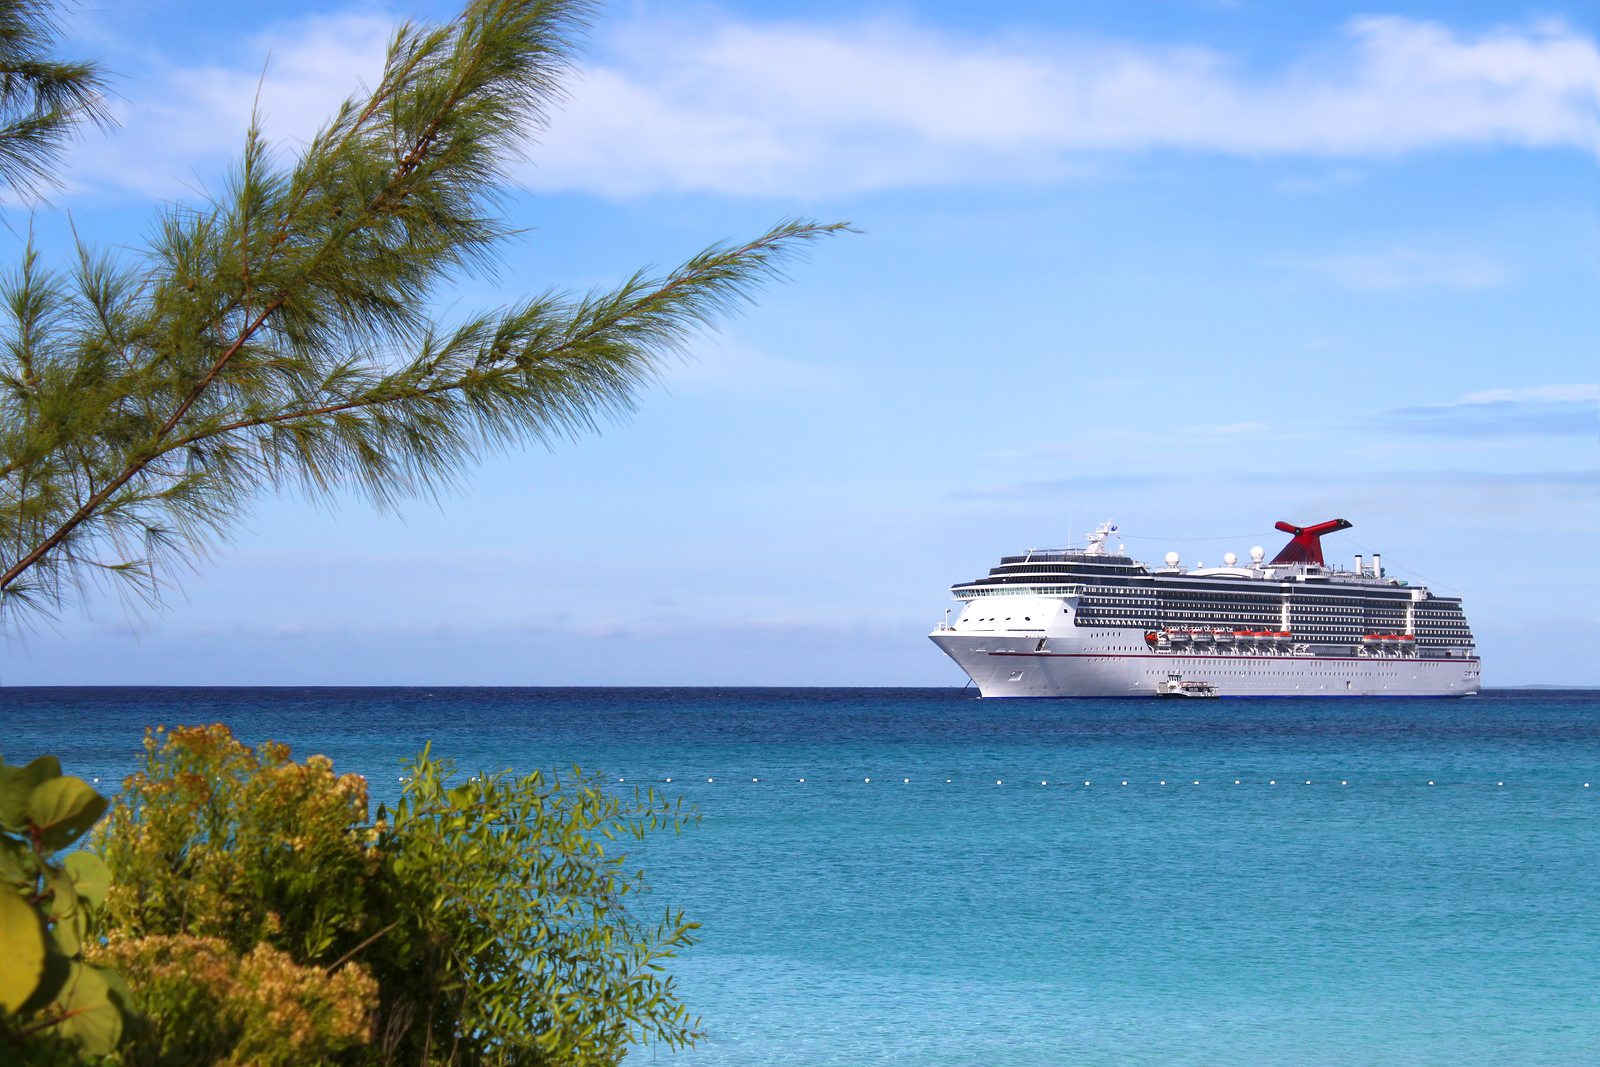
{"points": [[907, 779], [710, 779], [947, 781], [1197, 783], [669, 779], [1044, 783], [998, 782], [802, 779], [1344, 783], [1499, 783], [1124, 783], [1163, 783], [755, 779], [1085, 783], [869, 779], [1430, 783], [1308, 781], [1272, 783]]}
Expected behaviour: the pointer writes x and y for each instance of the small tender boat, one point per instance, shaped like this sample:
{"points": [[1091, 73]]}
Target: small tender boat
{"points": [[1175, 686]]}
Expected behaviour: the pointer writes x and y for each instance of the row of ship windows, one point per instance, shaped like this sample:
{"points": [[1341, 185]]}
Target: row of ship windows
{"points": [[1193, 600], [1312, 674], [1373, 617], [1420, 631], [1310, 624], [1135, 605], [1258, 598]]}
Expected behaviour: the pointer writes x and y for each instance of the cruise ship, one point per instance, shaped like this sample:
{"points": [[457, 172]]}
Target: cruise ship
{"points": [[1097, 623]]}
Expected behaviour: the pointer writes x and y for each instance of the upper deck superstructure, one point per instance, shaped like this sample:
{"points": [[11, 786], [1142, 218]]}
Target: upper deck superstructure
{"points": [[1096, 622]]}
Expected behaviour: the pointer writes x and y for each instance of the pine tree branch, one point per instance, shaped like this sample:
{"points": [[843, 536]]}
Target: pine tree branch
{"points": [[261, 341]]}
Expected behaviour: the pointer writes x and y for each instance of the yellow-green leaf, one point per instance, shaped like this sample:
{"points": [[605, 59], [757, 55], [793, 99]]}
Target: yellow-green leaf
{"points": [[17, 865], [89, 1015], [16, 783], [21, 950], [63, 808], [91, 878]]}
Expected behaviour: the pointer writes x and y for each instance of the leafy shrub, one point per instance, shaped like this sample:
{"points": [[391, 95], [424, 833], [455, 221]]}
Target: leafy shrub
{"points": [[216, 840], [53, 1005], [205, 1004], [489, 912]]}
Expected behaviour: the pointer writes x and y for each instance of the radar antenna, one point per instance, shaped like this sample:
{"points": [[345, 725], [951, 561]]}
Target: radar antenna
{"points": [[1097, 540]]}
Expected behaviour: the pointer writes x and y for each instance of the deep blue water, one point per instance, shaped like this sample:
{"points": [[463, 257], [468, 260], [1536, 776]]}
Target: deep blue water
{"points": [[955, 920]]}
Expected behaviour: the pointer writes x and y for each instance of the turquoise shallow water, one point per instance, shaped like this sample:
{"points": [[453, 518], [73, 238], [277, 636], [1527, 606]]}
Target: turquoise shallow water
{"points": [[965, 922]]}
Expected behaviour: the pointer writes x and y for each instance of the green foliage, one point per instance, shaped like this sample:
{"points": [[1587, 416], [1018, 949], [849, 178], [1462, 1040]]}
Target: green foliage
{"points": [[514, 933], [284, 335], [204, 1004], [213, 839], [53, 1005], [41, 98], [489, 912]]}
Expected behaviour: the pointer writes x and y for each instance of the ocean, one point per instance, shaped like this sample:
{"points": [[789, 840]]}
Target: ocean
{"points": [[1079, 882]]}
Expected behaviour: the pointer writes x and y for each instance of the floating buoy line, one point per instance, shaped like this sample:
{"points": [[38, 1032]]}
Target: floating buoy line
{"points": [[1044, 782], [1089, 782]]}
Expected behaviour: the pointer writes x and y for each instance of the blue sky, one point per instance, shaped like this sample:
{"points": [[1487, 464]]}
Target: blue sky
{"points": [[1192, 267]]}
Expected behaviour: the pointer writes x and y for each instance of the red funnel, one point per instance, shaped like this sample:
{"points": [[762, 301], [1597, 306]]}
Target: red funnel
{"points": [[1307, 544]]}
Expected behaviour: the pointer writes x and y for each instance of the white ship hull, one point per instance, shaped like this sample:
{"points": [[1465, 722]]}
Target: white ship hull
{"points": [[1114, 663], [1097, 623]]}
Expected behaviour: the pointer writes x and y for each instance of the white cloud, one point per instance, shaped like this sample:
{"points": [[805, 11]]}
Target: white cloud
{"points": [[1234, 428], [1540, 410], [747, 108], [1545, 393], [1406, 268], [724, 367], [190, 118], [796, 109]]}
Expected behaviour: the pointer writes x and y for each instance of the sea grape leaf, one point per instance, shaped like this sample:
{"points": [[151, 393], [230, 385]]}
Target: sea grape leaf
{"points": [[70, 922], [17, 864], [89, 1015], [17, 784], [57, 969], [119, 994], [91, 878], [69, 932], [21, 950], [62, 809], [63, 901]]}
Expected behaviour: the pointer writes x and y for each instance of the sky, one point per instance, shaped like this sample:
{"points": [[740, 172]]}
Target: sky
{"points": [[1191, 267]]}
